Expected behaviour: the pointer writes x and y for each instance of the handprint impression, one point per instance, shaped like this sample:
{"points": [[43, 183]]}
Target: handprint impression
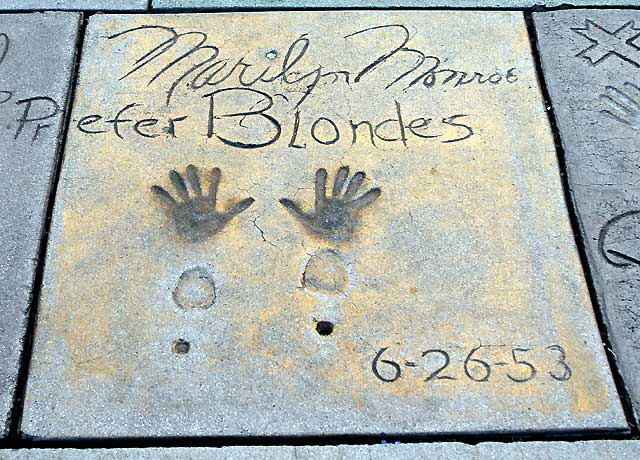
{"points": [[334, 218], [195, 216], [624, 105]]}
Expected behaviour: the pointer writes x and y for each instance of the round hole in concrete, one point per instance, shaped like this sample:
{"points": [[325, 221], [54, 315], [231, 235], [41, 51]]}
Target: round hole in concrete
{"points": [[272, 55], [324, 327], [180, 347]]}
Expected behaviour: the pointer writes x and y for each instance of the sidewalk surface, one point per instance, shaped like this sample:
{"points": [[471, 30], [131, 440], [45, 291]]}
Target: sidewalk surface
{"points": [[275, 227]]}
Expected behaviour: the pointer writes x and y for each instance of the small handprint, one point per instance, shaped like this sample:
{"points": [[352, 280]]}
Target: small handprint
{"points": [[334, 218], [624, 105], [195, 216]]}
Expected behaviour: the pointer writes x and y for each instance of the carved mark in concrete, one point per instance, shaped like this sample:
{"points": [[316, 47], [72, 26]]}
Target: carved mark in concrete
{"points": [[618, 242], [326, 273], [180, 347], [334, 218], [195, 289], [195, 215], [4, 46], [605, 44], [623, 104]]}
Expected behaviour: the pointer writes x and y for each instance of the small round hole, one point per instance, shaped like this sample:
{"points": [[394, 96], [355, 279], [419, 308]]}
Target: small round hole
{"points": [[272, 55], [180, 347], [324, 327]]}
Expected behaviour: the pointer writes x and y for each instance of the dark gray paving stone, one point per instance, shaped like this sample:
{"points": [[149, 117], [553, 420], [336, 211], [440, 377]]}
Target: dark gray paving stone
{"points": [[592, 450], [74, 5], [222, 4], [591, 62], [37, 53]]}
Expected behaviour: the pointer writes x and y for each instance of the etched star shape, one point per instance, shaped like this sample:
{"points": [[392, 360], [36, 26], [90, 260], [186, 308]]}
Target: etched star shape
{"points": [[604, 43]]}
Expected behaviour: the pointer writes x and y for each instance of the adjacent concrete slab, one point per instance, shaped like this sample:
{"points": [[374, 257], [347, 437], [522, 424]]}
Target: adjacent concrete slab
{"points": [[440, 291], [591, 60], [248, 4], [87, 5], [601, 450], [37, 53]]}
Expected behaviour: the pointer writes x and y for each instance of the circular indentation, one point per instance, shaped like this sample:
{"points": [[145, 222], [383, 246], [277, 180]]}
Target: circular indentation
{"points": [[324, 327], [180, 347], [618, 240], [195, 289], [326, 272], [272, 55]]}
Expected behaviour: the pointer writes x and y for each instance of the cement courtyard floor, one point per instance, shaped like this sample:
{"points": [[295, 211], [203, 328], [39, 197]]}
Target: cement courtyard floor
{"points": [[354, 232]]}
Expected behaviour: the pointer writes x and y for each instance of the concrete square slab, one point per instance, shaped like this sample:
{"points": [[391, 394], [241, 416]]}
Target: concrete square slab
{"points": [[275, 4], [591, 60], [37, 53], [601, 450], [354, 225], [78, 5]]}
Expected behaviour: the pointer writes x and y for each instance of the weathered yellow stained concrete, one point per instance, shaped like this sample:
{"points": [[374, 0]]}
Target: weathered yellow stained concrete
{"points": [[467, 246]]}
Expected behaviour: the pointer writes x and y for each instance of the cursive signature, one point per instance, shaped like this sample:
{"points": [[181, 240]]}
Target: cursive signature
{"points": [[202, 65]]}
